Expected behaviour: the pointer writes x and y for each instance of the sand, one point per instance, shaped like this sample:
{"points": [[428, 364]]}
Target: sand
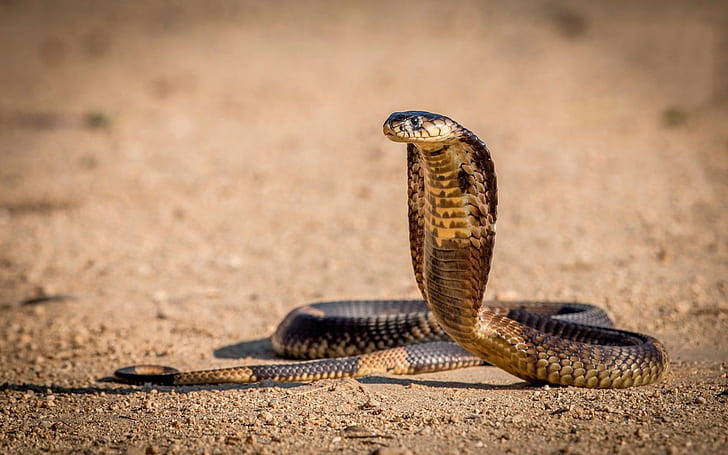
{"points": [[190, 172]]}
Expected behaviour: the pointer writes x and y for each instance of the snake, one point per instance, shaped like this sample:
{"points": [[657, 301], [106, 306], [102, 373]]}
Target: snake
{"points": [[452, 209]]}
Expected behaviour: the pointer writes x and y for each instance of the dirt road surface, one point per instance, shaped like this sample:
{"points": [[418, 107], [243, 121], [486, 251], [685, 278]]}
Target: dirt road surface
{"points": [[190, 172]]}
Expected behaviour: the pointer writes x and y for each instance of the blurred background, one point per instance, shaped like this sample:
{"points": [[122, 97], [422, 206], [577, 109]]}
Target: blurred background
{"points": [[210, 165], [189, 171]]}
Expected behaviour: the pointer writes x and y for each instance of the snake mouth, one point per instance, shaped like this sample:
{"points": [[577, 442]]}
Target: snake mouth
{"points": [[393, 135], [419, 127]]}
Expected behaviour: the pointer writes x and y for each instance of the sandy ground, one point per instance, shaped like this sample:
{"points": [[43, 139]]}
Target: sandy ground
{"points": [[191, 172]]}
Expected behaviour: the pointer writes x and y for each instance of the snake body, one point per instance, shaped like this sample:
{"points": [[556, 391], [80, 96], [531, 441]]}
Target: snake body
{"points": [[452, 199]]}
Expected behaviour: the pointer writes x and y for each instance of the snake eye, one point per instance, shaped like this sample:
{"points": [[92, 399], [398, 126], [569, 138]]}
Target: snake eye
{"points": [[416, 122]]}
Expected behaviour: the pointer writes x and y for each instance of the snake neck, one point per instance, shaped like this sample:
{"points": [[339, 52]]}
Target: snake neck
{"points": [[459, 218]]}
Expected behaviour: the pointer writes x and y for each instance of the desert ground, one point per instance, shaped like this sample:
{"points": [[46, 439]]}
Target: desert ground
{"points": [[176, 176]]}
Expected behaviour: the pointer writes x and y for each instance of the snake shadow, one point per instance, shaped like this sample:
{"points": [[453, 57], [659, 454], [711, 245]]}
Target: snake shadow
{"points": [[261, 348], [41, 389], [445, 384]]}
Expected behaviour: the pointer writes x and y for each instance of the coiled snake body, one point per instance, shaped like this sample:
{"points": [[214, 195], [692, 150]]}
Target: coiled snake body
{"points": [[452, 213]]}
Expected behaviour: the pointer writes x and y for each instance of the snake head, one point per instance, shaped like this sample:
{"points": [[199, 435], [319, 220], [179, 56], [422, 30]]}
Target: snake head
{"points": [[420, 128]]}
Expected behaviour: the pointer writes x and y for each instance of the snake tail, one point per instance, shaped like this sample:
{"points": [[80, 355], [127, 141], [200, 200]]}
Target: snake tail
{"points": [[412, 359]]}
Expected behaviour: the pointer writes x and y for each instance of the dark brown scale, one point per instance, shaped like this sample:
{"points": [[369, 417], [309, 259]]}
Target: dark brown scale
{"points": [[339, 324], [464, 180], [346, 366]]}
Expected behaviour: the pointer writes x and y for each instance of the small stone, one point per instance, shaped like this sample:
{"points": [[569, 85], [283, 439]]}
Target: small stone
{"points": [[235, 262], [336, 439], [144, 270], [355, 429], [373, 404], [232, 439], [700, 400], [265, 416], [45, 404], [160, 296], [683, 307], [78, 340], [392, 451], [562, 410], [210, 293], [662, 255]]}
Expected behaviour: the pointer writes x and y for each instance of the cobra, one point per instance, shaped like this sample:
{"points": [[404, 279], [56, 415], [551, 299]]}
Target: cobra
{"points": [[452, 200]]}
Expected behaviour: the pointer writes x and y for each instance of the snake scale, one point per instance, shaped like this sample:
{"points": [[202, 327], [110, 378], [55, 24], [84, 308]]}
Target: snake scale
{"points": [[452, 199]]}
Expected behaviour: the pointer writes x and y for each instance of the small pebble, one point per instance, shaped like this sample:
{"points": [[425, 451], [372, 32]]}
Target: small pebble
{"points": [[160, 296], [373, 404], [265, 416], [144, 270], [392, 451], [235, 262]]}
